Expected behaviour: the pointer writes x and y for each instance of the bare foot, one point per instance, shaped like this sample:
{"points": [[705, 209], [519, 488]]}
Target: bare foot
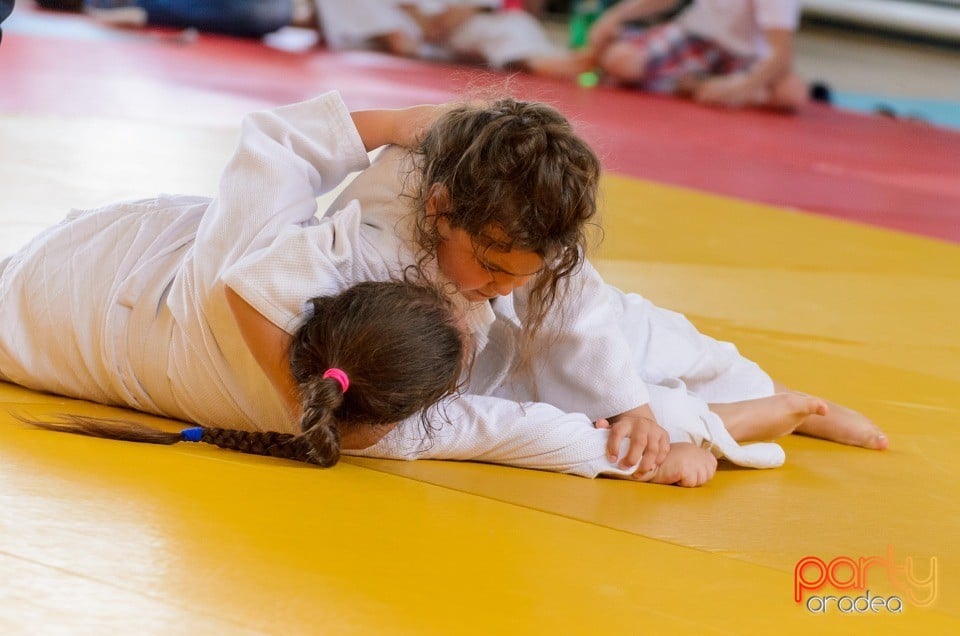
{"points": [[844, 426], [841, 425], [567, 66], [686, 465], [770, 417]]}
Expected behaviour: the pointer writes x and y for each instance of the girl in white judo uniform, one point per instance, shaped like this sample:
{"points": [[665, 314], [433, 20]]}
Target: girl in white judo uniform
{"points": [[354, 372], [212, 289], [589, 358]]}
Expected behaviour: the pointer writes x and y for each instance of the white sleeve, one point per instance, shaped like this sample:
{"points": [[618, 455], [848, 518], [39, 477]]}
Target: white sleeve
{"points": [[499, 431], [581, 360], [777, 14], [286, 158], [304, 262]]}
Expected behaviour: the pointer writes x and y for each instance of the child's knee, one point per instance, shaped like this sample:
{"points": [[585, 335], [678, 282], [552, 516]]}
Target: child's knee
{"points": [[623, 61]]}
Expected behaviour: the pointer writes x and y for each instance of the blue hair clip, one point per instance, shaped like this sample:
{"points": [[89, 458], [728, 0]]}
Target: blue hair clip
{"points": [[192, 434]]}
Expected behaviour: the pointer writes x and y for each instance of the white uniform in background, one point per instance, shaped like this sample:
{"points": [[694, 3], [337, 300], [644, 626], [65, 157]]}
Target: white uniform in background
{"points": [[739, 25], [125, 305], [495, 37]]}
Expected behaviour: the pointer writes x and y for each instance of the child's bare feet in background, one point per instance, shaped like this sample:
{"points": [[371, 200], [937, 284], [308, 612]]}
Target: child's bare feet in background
{"points": [[567, 66]]}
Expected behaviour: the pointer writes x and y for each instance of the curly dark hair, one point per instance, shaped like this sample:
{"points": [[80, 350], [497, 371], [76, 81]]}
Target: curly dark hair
{"points": [[519, 169]]}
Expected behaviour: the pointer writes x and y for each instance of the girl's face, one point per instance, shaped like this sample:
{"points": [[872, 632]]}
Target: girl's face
{"points": [[481, 274]]}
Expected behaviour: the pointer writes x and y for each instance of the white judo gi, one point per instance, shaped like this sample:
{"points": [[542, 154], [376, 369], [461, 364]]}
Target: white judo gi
{"points": [[496, 37], [125, 305], [609, 344]]}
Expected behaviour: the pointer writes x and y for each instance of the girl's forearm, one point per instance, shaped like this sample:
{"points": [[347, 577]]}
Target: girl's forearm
{"points": [[376, 127], [403, 127], [777, 64], [269, 345]]}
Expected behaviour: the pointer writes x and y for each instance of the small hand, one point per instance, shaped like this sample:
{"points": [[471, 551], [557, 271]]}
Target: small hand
{"points": [[649, 443], [686, 465]]}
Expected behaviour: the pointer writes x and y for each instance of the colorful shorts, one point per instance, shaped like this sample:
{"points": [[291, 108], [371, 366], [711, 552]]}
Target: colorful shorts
{"points": [[673, 53]]}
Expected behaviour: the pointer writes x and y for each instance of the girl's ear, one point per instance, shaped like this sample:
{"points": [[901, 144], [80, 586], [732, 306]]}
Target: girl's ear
{"points": [[438, 202]]}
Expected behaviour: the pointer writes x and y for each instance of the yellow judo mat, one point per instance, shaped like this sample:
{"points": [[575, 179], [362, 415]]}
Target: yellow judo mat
{"points": [[104, 537]]}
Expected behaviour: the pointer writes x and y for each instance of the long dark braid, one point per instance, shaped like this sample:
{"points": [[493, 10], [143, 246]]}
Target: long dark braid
{"points": [[323, 396], [267, 443], [399, 342]]}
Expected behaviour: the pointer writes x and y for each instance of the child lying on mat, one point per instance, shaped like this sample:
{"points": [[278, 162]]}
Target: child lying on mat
{"points": [[398, 368], [463, 30], [204, 295]]}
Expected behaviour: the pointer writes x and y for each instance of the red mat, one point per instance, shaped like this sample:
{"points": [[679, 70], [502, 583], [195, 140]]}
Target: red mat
{"points": [[901, 175]]}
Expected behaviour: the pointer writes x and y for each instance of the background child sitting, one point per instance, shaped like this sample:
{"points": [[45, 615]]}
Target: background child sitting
{"points": [[721, 52]]}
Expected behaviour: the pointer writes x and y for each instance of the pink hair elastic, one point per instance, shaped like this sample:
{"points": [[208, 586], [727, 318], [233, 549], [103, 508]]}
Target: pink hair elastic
{"points": [[340, 376]]}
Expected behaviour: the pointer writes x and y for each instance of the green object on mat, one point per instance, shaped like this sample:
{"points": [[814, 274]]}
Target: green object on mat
{"points": [[588, 79]]}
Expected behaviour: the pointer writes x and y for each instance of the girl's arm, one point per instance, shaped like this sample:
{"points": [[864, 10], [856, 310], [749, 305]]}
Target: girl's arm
{"points": [[778, 64], [270, 346], [540, 436], [401, 127], [255, 238], [501, 431], [268, 291], [285, 159]]}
